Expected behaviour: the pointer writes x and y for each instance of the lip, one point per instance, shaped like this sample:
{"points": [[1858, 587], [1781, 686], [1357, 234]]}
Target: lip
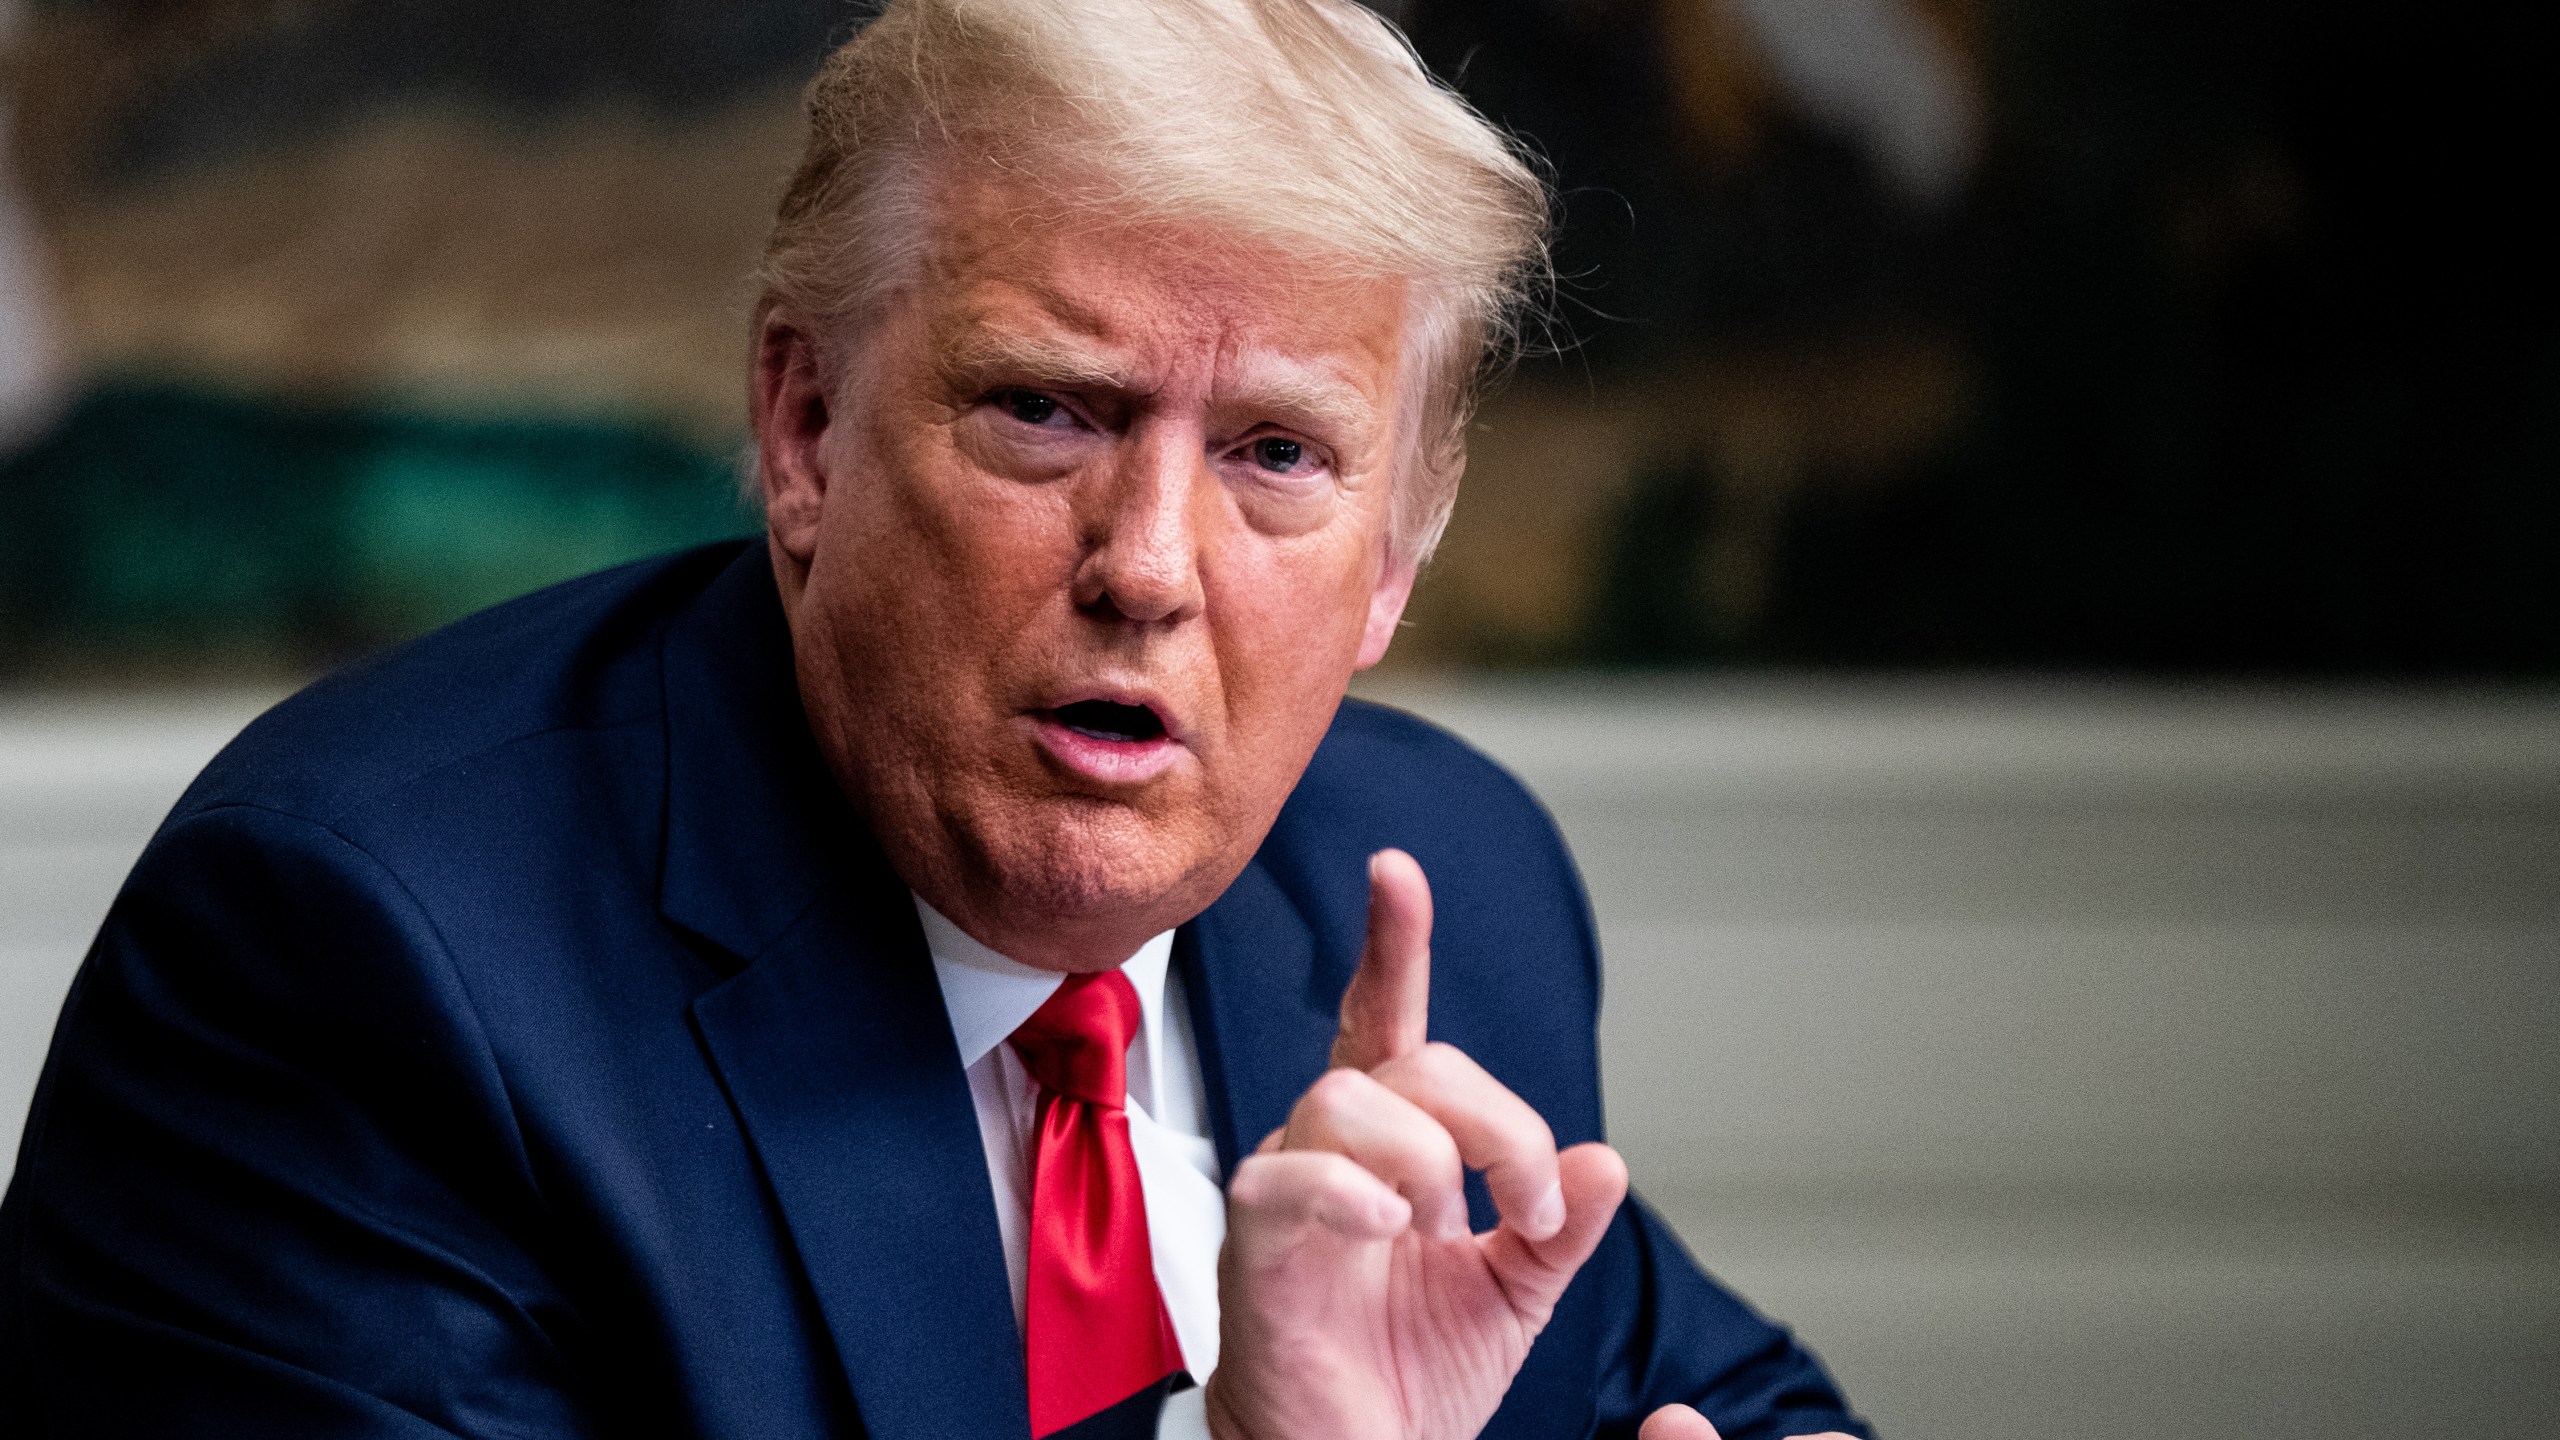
{"points": [[1101, 759]]}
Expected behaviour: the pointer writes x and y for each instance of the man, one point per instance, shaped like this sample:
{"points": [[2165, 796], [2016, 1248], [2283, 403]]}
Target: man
{"points": [[959, 968]]}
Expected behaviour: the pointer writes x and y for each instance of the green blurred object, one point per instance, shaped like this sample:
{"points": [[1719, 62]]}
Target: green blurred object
{"points": [[155, 519]]}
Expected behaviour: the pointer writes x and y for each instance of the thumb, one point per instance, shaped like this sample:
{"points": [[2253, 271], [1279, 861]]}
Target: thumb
{"points": [[1386, 1013], [1676, 1422], [1534, 1272]]}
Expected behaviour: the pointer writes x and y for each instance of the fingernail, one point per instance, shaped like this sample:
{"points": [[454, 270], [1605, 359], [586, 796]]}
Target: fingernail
{"points": [[1547, 1217]]}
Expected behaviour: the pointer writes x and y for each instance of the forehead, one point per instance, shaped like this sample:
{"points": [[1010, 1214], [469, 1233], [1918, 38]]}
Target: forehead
{"points": [[1158, 302]]}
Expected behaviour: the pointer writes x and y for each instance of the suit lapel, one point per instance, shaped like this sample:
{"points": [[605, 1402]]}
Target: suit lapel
{"points": [[831, 1039], [1263, 1001], [836, 1050]]}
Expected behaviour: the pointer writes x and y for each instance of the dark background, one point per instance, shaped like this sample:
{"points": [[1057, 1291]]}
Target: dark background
{"points": [[2184, 338]]}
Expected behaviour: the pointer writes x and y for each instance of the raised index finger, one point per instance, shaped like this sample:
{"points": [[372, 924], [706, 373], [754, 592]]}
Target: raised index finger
{"points": [[1387, 1011]]}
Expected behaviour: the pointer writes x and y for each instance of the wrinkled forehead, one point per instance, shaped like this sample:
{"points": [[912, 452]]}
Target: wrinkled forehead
{"points": [[1016, 281]]}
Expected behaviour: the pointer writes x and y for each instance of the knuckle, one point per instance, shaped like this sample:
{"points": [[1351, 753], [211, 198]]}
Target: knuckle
{"points": [[1519, 1139], [1341, 1175], [1530, 1142], [1532, 1125], [1337, 1089], [1327, 1182], [1418, 1145], [1293, 1183], [1439, 1053], [1251, 1187], [1440, 1157], [1444, 1063], [1255, 1178], [1334, 1103], [1405, 1074]]}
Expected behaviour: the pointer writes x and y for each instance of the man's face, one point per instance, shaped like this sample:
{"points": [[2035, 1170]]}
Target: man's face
{"points": [[1080, 552]]}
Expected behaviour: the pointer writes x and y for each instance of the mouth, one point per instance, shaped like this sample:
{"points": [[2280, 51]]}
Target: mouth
{"points": [[1110, 743], [1111, 721]]}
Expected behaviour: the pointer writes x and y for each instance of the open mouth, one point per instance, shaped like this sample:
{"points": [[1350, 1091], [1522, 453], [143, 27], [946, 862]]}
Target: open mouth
{"points": [[1109, 720]]}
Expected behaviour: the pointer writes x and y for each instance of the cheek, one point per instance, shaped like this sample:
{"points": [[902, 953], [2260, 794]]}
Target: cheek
{"points": [[983, 440], [1285, 509], [1290, 586], [936, 566], [955, 528], [1289, 629]]}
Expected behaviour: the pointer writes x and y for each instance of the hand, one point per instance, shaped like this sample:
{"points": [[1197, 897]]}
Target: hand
{"points": [[1355, 1303], [1679, 1422]]}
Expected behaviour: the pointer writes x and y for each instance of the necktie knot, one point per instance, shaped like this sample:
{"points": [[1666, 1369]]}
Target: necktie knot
{"points": [[1077, 1043]]}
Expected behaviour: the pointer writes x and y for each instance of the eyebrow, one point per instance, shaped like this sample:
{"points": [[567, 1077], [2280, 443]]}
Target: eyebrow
{"points": [[979, 354], [1284, 390], [1305, 395]]}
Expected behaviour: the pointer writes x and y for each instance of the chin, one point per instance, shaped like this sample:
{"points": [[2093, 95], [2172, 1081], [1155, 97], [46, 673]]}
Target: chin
{"points": [[1076, 863]]}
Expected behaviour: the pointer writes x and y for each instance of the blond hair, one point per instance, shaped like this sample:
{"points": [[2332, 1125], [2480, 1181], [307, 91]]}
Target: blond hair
{"points": [[1305, 124]]}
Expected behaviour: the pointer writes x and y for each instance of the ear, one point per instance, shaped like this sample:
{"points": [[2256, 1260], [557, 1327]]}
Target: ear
{"points": [[792, 412], [1386, 609]]}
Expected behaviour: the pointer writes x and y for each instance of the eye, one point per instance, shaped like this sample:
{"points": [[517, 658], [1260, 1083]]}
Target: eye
{"points": [[1028, 406], [1277, 455]]}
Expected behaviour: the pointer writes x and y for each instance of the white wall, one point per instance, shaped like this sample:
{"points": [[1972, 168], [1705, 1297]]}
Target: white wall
{"points": [[83, 782], [2089, 1061], [2076, 938]]}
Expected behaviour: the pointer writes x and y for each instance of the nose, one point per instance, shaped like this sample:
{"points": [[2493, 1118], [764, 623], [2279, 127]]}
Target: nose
{"points": [[1141, 559]]}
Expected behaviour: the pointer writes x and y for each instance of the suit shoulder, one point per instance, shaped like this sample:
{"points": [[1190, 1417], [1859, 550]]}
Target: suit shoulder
{"points": [[576, 655], [1383, 778], [1382, 758], [1515, 978]]}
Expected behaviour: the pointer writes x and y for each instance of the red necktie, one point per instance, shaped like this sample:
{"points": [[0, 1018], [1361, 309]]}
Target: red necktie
{"points": [[1094, 1328]]}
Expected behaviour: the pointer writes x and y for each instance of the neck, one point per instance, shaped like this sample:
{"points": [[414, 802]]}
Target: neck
{"points": [[1047, 938]]}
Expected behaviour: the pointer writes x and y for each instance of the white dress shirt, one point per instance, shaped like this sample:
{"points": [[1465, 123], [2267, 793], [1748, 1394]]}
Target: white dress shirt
{"points": [[988, 997]]}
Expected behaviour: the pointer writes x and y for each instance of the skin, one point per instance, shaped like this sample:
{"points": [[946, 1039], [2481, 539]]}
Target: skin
{"points": [[1079, 460], [1354, 1304], [1679, 1422], [952, 571]]}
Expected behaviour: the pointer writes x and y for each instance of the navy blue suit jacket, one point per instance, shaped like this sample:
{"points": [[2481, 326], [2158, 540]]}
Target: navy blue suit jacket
{"points": [[520, 1036]]}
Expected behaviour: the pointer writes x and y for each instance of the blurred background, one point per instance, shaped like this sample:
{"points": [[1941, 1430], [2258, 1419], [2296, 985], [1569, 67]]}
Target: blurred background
{"points": [[2023, 565]]}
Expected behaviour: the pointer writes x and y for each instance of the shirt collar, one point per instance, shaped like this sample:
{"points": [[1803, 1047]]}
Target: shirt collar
{"points": [[988, 995]]}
